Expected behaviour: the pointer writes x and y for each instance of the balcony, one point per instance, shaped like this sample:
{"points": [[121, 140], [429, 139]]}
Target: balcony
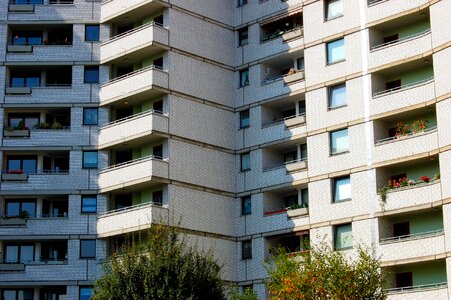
{"points": [[402, 86], [407, 134], [143, 41], [424, 280], [133, 127], [403, 236], [112, 11], [134, 172], [288, 27], [132, 218], [384, 9], [291, 243], [291, 202], [409, 184], [396, 40], [144, 83]]}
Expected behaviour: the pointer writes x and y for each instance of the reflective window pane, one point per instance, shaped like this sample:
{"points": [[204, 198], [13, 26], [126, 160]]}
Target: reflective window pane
{"points": [[26, 253], [90, 159], [87, 248], [12, 253]]}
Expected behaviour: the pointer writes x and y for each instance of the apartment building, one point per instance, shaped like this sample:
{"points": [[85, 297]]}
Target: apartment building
{"points": [[250, 123]]}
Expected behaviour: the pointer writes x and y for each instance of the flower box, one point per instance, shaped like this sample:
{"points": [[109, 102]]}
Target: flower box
{"points": [[12, 267], [19, 48], [296, 121], [14, 177], [296, 166], [274, 212], [292, 213], [16, 133], [13, 222], [291, 78]]}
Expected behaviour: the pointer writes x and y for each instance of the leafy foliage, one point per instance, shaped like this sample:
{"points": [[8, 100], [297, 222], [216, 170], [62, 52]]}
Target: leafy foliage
{"points": [[248, 294], [161, 267], [324, 274]]}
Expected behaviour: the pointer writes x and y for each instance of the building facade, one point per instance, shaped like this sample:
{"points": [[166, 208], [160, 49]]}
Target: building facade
{"points": [[250, 123]]}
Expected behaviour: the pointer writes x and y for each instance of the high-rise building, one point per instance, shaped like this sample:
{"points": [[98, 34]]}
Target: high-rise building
{"points": [[250, 123]]}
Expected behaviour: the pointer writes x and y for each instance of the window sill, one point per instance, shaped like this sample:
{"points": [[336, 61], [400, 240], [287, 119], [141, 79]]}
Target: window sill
{"points": [[335, 62], [341, 200], [333, 18], [339, 153], [336, 107]]}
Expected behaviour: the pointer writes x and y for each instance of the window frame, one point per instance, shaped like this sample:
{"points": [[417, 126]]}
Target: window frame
{"points": [[91, 68], [246, 205], [84, 166], [336, 246], [244, 81], [243, 36], [83, 208], [83, 288], [246, 249], [16, 290], [245, 119], [244, 168], [84, 256], [331, 142], [97, 34], [19, 246], [335, 181], [330, 93], [20, 202], [85, 119], [157, 193], [327, 10], [329, 60]]}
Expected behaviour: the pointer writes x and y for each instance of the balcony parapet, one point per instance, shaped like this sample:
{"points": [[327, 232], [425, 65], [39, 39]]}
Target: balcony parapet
{"points": [[132, 218], [403, 87], [410, 237], [401, 40], [146, 35], [140, 81]]}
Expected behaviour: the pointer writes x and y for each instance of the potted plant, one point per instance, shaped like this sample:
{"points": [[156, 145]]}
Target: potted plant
{"points": [[14, 175], [20, 219], [17, 131]]}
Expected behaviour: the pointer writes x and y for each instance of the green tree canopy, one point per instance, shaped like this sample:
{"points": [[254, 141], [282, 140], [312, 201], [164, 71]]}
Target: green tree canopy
{"points": [[322, 274], [161, 266]]}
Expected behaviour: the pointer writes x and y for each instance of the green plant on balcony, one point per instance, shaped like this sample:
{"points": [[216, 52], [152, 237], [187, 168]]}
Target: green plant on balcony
{"points": [[22, 215], [45, 125], [418, 125], [20, 126]]}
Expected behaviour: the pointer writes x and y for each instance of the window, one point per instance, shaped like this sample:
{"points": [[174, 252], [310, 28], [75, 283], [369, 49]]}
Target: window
{"points": [[157, 151], [401, 229], [244, 77], [27, 164], [341, 188], [391, 38], [393, 84], [91, 74], [16, 207], [157, 197], [22, 121], [245, 159], [90, 159], [337, 95], [246, 205], [18, 253], [53, 293], [92, 33], [25, 79], [85, 293], [303, 151], [242, 2], [404, 279], [334, 8], [246, 249], [90, 116], [89, 204], [290, 156], [335, 51], [87, 248], [244, 119], [343, 237], [243, 37], [339, 141], [300, 65], [304, 197], [17, 294], [291, 200]]}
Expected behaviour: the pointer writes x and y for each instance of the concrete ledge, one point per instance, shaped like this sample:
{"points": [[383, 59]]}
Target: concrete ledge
{"points": [[19, 48], [14, 177], [21, 8], [13, 222], [13, 267]]}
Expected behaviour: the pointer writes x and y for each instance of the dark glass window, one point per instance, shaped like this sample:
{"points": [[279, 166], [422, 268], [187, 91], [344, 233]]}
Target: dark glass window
{"points": [[157, 197], [90, 116], [17, 294], [89, 204], [91, 74], [92, 33], [244, 77], [90, 159], [244, 119], [16, 207], [243, 36], [246, 249], [25, 164], [85, 292], [246, 205], [87, 248]]}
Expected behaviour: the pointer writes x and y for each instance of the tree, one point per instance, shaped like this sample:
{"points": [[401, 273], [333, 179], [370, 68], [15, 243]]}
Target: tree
{"points": [[322, 274], [160, 266], [248, 294]]}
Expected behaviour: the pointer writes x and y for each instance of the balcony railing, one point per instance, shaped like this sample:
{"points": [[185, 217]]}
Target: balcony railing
{"points": [[417, 287], [131, 208], [404, 39], [413, 236], [403, 87], [128, 75], [274, 35], [374, 2], [131, 162], [135, 116], [408, 135], [131, 31], [286, 164]]}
